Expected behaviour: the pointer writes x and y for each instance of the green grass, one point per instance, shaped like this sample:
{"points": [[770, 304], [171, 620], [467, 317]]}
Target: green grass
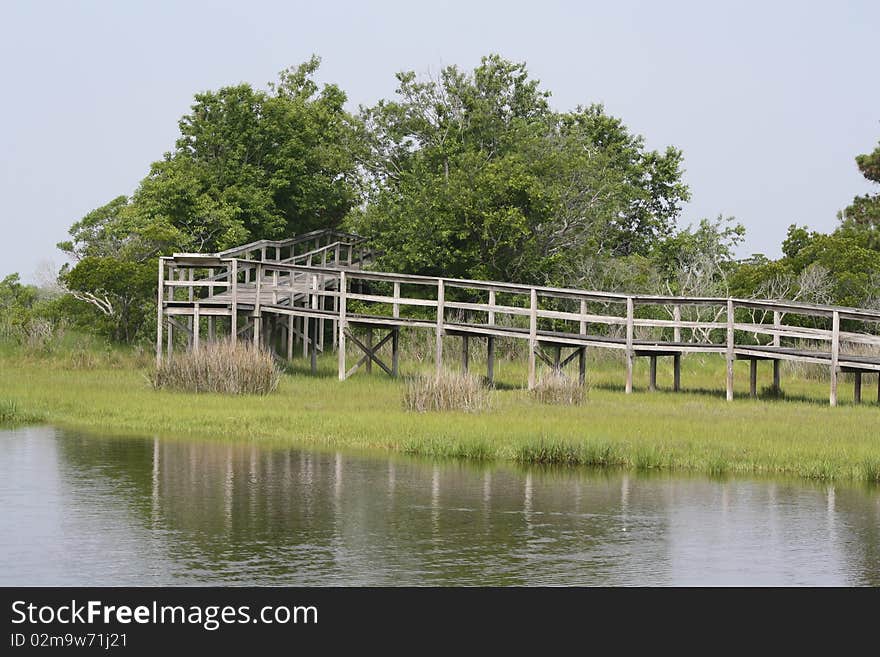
{"points": [[11, 414], [696, 430]]}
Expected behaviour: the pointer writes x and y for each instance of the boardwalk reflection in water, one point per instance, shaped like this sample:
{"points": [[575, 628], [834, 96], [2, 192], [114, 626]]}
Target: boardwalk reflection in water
{"points": [[86, 510]]}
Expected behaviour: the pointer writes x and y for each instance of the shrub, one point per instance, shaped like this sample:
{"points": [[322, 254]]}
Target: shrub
{"points": [[448, 391], [225, 367], [556, 388]]}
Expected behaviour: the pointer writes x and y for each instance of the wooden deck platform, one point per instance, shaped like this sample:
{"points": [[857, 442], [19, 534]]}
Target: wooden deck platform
{"points": [[317, 288]]}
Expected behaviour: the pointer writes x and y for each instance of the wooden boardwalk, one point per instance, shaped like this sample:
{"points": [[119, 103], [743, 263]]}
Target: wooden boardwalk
{"points": [[315, 291]]}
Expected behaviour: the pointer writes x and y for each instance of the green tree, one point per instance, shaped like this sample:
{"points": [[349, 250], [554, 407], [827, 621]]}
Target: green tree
{"points": [[474, 175], [861, 219], [249, 164]]}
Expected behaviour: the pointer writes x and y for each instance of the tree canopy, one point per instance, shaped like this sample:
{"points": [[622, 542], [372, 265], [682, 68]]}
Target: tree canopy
{"points": [[469, 173], [474, 175]]}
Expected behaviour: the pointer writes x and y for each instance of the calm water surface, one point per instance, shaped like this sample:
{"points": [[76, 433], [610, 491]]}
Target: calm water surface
{"points": [[80, 510]]}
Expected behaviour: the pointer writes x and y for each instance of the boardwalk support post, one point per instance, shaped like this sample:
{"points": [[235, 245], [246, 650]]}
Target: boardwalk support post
{"points": [[160, 312], [630, 355], [652, 376], [343, 293], [753, 378], [730, 353], [676, 372], [533, 338], [857, 387], [490, 360], [438, 347], [835, 355]]}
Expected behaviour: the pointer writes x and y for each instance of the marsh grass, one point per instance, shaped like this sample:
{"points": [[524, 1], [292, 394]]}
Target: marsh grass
{"points": [[222, 367], [692, 431], [554, 387], [448, 391], [12, 414]]}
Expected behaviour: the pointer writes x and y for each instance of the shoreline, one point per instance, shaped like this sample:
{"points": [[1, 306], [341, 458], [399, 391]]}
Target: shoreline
{"points": [[693, 431]]}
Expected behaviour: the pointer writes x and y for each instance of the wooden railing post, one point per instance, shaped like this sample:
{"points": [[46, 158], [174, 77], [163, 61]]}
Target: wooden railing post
{"points": [[395, 309], [630, 353], [835, 355], [233, 293], [491, 318], [533, 338], [676, 317], [160, 312], [730, 348], [343, 291], [582, 326], [438, 348], [777, 342], [258, 319]]}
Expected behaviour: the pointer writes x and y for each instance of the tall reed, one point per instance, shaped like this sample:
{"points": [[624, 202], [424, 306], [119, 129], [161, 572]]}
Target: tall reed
{"points": [[450, 391], [226, 367], [554, 387]]}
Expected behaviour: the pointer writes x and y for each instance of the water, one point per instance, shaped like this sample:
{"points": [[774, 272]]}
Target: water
{"points": [[80, 510]]}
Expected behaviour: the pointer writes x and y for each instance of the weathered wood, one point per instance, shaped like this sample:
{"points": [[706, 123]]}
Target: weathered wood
{"points": [[274, 289], [196, 324], [370, 353], [730, 349], [533, 339], [652, 374], [290, 320], [160, 311], [676, 372], [313, 343], [233, 276], [395, 352], [438, 346], [490, 359], [368, 341], [857, 387], [630, 356], [582, 365], [343, 327], [835, 356], [776, 376], [258, 318], [753, 378], [465, 355]]}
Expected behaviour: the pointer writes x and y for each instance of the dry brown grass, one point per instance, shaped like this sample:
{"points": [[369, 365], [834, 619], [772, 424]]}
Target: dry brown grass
{"points": [[225, 367], [554, 387], [450, 391]]}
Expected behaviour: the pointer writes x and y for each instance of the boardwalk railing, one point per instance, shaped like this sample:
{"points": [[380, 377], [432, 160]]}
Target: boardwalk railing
{"points": [[271, 293]]}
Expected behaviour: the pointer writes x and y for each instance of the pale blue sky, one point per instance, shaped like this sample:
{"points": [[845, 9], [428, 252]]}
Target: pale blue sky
{"points": [[770, 101]]}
